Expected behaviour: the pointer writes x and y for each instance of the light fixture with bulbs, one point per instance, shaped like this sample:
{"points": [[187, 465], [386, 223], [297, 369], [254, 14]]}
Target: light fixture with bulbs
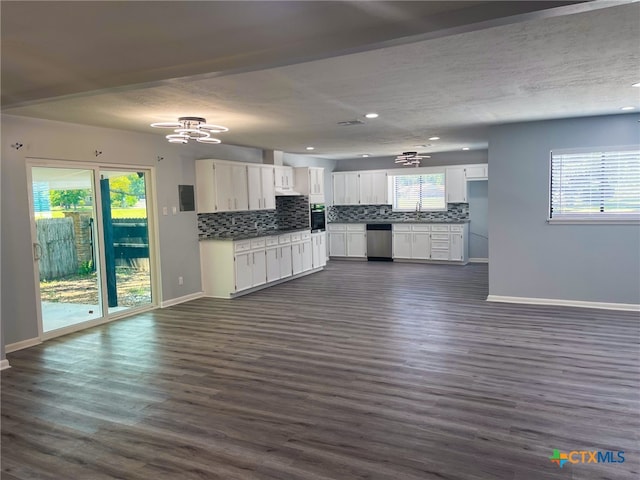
{"points": [[191, 128], [410, 159]]}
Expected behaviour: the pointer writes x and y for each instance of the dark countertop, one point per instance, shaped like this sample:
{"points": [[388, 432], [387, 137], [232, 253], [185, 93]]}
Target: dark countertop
{"points": [[249, 235], [453, 222]]}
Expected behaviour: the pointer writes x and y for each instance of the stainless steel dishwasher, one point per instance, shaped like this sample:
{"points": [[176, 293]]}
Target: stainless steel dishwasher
{"points": [[379, 242]]}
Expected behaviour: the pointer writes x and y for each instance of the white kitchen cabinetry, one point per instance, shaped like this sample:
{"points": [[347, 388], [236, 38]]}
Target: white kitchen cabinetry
{"points": [[221, 186], [261, 188], [374, 188], [283, 178], [477, 172], [230, 268], [428, 242], [456, 185], [345, 188], [310, 181], [319, 249], [348, 240]]}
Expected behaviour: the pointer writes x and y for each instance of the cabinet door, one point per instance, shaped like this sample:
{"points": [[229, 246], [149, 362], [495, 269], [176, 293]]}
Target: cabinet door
{"points": [[254, 185], [379, 188], [456, 185], [339, 191], [401, 245], [296, 258], [477, 172], [307, 256], [273, 264], [456, 247], [268, 190], [365, 189], [224, 188], [259, 271], [239, 190], [244, 271], [322, 249], [356, 244], [288, 177], [315, 250], [338, 244], [351, 189], [286, 268], [420, 246], [205, 187]]}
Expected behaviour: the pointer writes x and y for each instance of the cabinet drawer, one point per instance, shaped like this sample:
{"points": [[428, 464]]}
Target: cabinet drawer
{"points": [[440, 254], [306, 235], [401, 228], [337, 227], [439, 245], [439, 228], [296, 237], [242, 246], [421, 228], [440, 236], [258, 243], [272, 240], [285, 238], [358, 227], [456, 228]]}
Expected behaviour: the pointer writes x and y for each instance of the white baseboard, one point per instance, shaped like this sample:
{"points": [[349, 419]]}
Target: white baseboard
{"points": [[478, 260], [4, 364], [185, 298], [13, 347], [629, 307]]}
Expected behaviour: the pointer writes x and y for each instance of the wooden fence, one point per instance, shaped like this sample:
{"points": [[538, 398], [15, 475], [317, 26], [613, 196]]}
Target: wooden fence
{"points": [[58, 257]]}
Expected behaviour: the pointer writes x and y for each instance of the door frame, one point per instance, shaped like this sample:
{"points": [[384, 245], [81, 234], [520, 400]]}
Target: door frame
{"points": [[154, 239]]}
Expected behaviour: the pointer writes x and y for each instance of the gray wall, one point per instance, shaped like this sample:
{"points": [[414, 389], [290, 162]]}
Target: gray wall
{"points": [[178, 234], [478, 219], [530, 258], [437, 159]]}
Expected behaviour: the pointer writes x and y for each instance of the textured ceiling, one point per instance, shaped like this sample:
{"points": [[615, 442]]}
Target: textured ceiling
{"points": [[453, 84]]}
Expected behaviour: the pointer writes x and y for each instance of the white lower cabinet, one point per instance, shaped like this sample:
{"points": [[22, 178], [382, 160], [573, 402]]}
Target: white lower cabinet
{"points": [[319, 249], [348, 240], [231, 267], [441, 242]]}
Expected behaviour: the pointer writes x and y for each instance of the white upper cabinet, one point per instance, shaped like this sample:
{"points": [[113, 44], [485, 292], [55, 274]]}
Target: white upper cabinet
{"points": [[221, 186], [345, 188], [261, 187], [310, 181], [284, 178], [456, 185], [373, 188], [477, 172]]}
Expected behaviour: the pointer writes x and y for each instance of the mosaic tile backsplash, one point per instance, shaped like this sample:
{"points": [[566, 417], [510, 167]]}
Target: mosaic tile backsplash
{"points": [[456, 212], [291, 213]]}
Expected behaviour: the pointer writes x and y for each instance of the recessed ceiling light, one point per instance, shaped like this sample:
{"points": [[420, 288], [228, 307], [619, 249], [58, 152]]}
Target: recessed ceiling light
{"points": [[434, 138], [636, 84], [310, 148], [365, 155], [465, 148], [627, 108], [371, 115]]}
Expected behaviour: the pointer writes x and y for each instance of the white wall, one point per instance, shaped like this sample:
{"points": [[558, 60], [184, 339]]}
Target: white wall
{"points": [[179, 251], [528, 256]]}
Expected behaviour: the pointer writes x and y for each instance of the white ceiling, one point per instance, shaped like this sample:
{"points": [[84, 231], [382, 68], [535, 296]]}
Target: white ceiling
{"points": [[454, 74]]}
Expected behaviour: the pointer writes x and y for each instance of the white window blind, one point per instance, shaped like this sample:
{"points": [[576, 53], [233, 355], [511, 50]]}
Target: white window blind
{"points": [[419, 192], [595, 185]]}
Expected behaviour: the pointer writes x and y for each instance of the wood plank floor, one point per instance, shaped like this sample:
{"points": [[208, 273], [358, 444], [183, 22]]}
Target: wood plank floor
{"points": [[363, 371]]}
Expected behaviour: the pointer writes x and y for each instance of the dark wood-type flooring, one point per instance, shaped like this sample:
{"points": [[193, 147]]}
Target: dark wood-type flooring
{"points": [[363, 371]]}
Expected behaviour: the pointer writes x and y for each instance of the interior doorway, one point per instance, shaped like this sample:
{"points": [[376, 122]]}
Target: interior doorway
{"points": [[92, 248]]}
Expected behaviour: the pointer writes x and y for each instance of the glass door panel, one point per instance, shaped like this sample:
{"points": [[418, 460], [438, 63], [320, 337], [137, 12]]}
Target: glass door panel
{"points": [[66, 246], [126, 239]]}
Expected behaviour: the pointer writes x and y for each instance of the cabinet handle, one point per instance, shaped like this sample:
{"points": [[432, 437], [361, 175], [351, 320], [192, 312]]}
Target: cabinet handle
{"points": [[229, 203], [235, 202], [248, 264]]}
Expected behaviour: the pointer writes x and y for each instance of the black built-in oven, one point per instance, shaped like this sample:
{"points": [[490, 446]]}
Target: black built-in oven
{"points": [[318, 223]]}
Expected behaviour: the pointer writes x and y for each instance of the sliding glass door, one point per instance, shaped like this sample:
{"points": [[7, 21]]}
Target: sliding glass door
{"points": [[91, 244]]}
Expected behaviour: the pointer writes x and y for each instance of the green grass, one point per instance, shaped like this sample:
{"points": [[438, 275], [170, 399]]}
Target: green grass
{"points": [[115, 212]]}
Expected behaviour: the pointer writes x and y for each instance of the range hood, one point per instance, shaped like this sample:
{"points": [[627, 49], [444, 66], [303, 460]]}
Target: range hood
{"points": [[286, 192]]}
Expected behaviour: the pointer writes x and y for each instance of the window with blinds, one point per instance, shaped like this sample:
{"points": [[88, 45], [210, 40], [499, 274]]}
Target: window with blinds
{"points": [[600, 185], [422, 192]]}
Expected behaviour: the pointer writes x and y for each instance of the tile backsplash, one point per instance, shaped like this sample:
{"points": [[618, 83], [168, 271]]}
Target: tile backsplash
{"points": [[350, 213], [291, 213]]}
